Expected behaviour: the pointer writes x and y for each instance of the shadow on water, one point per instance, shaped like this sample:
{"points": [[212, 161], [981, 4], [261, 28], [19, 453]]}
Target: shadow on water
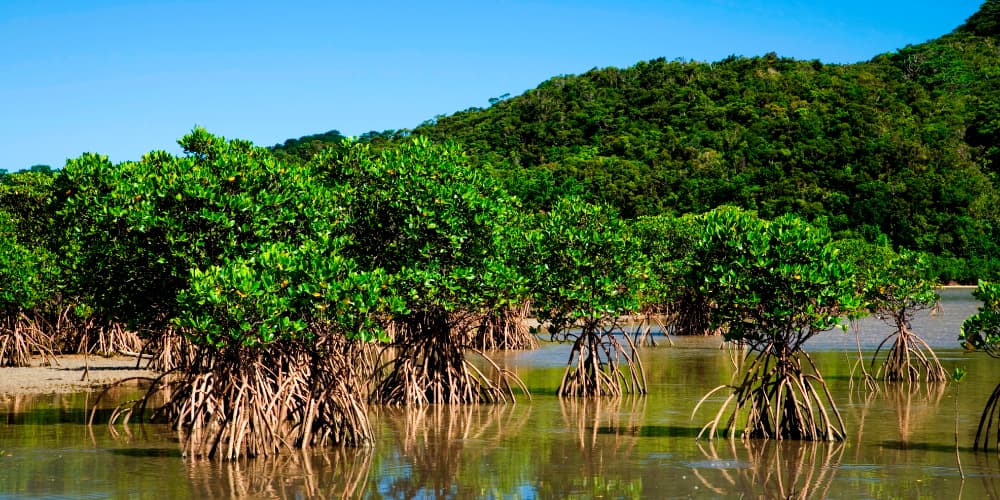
{"points": [[652, 431], [147, 452], [910, 445]]}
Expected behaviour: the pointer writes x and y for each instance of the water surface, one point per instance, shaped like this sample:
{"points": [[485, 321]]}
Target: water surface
{"points": [[901, 441]]}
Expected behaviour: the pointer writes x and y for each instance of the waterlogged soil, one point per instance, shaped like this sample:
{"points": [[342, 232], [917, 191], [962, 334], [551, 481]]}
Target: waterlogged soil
{"points": [[903, 441]]}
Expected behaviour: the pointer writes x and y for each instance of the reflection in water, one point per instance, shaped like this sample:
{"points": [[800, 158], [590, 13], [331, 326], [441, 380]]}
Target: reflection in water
{"points": [[769, 468], [433, 438], [915, 404], [339, 472], [588, 417], [597, 462]]}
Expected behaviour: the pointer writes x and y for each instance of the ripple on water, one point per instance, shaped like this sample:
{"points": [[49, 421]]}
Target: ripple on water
{"points": [[718, 464]]}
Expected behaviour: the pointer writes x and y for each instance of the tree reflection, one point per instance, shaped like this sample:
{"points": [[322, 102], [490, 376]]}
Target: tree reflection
{"points": [[769, 468], [915, 404], [589, 417], [596, 463], [337, 472], [431, 444]]}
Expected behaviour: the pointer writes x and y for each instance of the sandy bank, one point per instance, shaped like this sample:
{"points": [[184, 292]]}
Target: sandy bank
{"points": [[66, 375]]}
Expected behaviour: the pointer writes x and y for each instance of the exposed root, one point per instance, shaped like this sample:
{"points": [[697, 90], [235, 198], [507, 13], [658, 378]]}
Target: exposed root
{"points": [[776, 399], [690, 315], [989, 423], [503, 330], [169, 350], [429, 367], [642, 335], [868, 378], [21, 338], [909, 359], [101, 338], [244, 402], [600, 366]]}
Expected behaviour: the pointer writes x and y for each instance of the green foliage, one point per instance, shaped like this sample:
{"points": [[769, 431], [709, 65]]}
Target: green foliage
{"points": [[24, 196], [893, 287], [668, 244], [139, 236], [28, 273], [891, 284], [586, 271], [775, 283], [305, 148], [430, 224], [906, 144], [903, 145], [282, 293], [985, 22], [419, 213], [982, 330], [585, 265]]}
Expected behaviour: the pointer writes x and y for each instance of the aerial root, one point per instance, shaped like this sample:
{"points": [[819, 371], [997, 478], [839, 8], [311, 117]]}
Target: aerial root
{"points": [[776, 399], [428, 365], [910, 359], [502, 329], [600, 366], [21, 337], [989, 422], [243, 402]]}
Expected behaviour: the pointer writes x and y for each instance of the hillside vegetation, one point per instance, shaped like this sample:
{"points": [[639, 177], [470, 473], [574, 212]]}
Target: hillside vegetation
{"points": [[906, 145]]}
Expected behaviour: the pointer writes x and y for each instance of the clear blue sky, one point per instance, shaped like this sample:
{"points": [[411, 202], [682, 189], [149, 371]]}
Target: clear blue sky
{"points": [[123, 77]]}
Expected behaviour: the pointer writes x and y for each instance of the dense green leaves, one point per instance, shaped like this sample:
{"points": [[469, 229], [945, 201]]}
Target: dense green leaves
{"points": [[584, 264], [282, 293], [28, 273], [420, 214], [668, 244], [982, 331], [774, 282], [202, 228]]}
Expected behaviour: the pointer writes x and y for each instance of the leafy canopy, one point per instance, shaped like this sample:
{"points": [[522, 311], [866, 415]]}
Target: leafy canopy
{"points": [[982, 331], [774, 283]]}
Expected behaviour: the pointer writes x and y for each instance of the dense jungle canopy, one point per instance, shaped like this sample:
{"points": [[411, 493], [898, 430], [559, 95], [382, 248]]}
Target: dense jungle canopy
{"points": [[905, 145]]}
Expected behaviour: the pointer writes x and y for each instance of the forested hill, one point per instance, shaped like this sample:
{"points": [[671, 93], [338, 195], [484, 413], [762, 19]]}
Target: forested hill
{"points": [[906, 144]]}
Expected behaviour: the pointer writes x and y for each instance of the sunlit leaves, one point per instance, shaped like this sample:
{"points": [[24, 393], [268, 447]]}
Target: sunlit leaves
{"points": [[775, 281], [189, 240], [982, 330], [432, 224], [584, 264]]}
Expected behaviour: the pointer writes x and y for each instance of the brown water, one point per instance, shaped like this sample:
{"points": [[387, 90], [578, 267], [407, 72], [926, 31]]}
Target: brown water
{"points": [[901, 443]]}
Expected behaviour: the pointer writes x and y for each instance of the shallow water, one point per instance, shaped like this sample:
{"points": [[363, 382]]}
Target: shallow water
{"points": [[901, 443]]}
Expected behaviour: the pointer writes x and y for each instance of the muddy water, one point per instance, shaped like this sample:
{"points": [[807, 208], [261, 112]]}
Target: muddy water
{"points": [[901, 443]]}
